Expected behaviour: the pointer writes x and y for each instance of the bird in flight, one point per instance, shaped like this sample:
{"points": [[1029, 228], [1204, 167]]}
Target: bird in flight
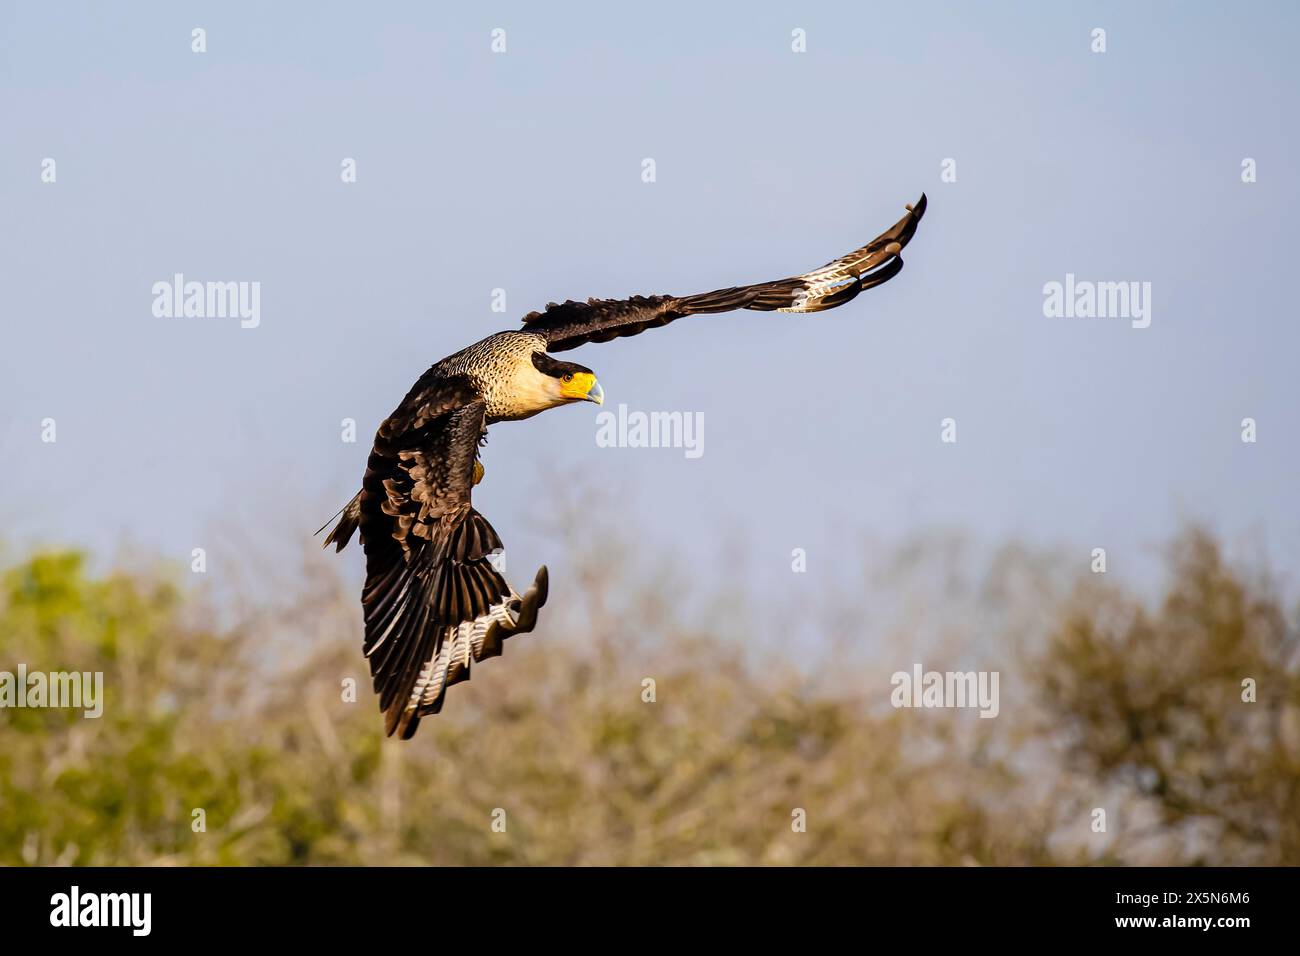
{"points": [[435, 600]]}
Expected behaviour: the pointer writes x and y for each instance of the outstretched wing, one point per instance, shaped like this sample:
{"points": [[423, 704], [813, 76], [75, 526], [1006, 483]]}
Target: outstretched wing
{"points": [[573, 323], [433, 600]]}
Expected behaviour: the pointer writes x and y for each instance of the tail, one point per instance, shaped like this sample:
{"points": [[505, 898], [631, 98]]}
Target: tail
{"points": [[348, 523]]}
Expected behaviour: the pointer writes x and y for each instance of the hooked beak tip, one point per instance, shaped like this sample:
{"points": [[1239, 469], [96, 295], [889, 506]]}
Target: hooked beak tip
{"points": [[596, 394]]}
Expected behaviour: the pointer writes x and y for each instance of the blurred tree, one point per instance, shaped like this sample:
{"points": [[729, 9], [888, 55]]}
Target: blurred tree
{"points": [[250, 721], [1193, 710]]}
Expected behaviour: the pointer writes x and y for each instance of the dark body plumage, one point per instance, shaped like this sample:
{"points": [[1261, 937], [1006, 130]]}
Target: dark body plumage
{"points": [[434, 600]]}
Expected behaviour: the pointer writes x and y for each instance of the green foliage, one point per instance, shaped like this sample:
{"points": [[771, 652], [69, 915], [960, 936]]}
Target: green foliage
{"points": [[1154, 702], [1137, 710]]}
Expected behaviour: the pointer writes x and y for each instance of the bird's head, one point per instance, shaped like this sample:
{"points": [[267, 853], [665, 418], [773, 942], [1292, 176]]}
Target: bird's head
{"points": [[569, 381]]}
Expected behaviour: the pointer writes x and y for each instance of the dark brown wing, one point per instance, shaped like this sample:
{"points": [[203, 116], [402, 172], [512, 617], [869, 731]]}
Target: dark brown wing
{"points": [[573, 323], [433, 598]]}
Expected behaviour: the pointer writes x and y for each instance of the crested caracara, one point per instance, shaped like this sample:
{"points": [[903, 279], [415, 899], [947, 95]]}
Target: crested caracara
{"points": [[434, 600]]}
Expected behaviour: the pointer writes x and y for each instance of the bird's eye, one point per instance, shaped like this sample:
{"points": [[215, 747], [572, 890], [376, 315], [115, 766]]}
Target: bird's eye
{"points": [[568, 377]]}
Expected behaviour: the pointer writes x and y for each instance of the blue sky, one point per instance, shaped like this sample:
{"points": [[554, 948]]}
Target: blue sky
{"points": [[521, 171]]}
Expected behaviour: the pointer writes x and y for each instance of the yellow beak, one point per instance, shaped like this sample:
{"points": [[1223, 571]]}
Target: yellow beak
{"points": [[583, 387]]}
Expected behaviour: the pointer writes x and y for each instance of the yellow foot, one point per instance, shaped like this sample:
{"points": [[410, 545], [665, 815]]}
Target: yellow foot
{"points": [[478, 471]]}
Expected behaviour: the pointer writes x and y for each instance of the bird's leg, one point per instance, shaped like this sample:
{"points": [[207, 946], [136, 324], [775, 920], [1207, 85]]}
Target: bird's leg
{"points": [[478, 465]]}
